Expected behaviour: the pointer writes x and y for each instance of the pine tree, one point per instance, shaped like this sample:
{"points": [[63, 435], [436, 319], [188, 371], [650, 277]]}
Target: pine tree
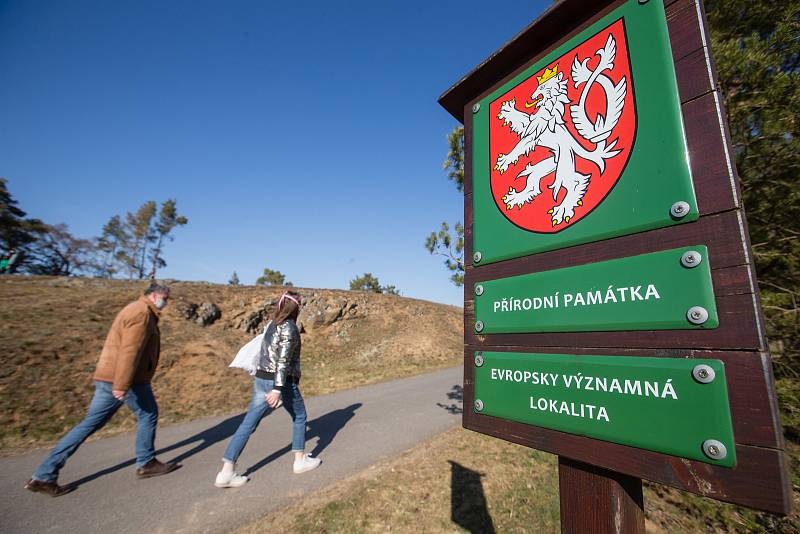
{"points": [[139, 228], [168, 219], [56, 252], [365, 282], [757, 54], [15, 230], [272, 278], [443, 243], [454, 163], [140, 240], [369, 282], [109, 246], [451, 247]]}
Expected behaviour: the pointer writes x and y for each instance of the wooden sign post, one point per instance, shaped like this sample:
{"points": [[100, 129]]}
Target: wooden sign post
{"points": [[611, 310]]}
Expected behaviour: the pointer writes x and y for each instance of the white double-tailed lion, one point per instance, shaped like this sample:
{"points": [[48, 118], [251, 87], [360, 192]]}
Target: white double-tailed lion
{"points": [[545, 127]]}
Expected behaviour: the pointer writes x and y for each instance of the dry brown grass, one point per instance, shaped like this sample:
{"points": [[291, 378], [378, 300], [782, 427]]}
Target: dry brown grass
{"points": [[458, 481], [462, 481], [52, 331]]}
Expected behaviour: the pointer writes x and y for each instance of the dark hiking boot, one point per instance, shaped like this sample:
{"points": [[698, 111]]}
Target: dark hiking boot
{"points": [[154, 468], [48, 488]]}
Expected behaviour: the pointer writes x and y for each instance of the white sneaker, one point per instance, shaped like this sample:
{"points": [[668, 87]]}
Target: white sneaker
{"points": [[306, 463], [230, 480]]}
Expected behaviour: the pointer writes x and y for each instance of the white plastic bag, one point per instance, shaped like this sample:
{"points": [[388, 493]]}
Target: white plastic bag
{"points": [[247, 357]]}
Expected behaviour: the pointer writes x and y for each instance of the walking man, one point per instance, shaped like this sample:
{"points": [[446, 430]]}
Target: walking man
{"points": [[126, 366]]}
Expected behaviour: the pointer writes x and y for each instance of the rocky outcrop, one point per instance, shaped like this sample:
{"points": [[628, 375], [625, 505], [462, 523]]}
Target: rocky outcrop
{"points": [[253, 320], [320, 310], [323, 311], [203, 314]]}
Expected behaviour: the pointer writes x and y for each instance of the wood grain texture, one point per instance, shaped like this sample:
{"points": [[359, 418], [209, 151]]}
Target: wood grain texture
{"points": [[759, 481], [468, 155], [712, 171], [598, 500], [691, 73], [683, 25], [722, 253]]}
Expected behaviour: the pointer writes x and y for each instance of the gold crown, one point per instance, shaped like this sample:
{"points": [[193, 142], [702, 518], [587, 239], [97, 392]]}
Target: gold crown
{"points": [[547, 75]]}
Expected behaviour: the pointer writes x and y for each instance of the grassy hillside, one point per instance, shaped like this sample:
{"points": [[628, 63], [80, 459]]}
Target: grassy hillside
{"points": [[52, 331]]}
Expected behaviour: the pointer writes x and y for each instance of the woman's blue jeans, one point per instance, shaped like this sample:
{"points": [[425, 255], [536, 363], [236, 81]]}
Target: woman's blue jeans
{"points": [[104, 405], [258, 408]]}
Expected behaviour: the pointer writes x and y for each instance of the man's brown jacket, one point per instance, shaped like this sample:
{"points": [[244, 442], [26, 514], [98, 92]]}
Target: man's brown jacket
{"points": [[130, 353]]}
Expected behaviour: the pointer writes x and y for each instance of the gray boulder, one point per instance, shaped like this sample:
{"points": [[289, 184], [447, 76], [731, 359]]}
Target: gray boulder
{"points": [[204, 314]]}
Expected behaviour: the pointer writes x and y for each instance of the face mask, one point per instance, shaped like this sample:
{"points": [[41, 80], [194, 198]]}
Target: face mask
{"points": [[161, 303]]}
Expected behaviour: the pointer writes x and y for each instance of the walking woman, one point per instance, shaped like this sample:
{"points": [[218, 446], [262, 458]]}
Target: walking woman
{"points": [[276, 383]]}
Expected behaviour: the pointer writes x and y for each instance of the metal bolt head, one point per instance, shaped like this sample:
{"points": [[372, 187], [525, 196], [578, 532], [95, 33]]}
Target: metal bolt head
{"points": [[479, 290], [478, 326], [714, 449], [476, 258], [478, 359], [478, 405], [680, 209], [691, 258], [704, 373], [476, 108], [697, 315]]}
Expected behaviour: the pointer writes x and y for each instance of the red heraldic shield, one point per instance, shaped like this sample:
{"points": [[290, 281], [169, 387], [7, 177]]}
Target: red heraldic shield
{"points": [[559, 140]]}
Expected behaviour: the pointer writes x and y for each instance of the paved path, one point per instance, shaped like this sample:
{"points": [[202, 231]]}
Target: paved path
{"points": [[349, 430]]}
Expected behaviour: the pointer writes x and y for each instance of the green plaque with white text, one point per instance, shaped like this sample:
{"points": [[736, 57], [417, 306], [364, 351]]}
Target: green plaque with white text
{"points": [[669, 290], [669, 405]]}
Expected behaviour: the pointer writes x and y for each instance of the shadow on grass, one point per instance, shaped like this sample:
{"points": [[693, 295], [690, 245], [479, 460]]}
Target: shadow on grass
{"points": [[324, 427], [467, 500]]}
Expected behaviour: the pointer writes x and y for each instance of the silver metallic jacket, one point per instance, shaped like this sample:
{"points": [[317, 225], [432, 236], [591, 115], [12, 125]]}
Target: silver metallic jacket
{"points": [[280, 351]]}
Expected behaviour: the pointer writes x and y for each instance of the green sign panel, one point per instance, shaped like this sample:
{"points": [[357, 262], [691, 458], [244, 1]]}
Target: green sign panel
{"points": [[673, 406], [586, 144], [667, 290]]}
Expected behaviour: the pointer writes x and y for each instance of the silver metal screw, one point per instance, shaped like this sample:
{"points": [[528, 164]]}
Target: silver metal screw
{"points": [[680, 209], [476, 108], [697, 315], [479, 290], [691, 258], [478, 326], [704, 373], [476, 258], [715, 449], [478, 359], [478, 405]]}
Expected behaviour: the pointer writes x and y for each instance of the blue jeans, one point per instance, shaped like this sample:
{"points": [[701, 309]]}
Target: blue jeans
{"points": [[141, 402], [258, 408]]}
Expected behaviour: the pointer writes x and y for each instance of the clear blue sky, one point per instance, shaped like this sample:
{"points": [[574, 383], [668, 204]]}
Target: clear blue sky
{"points": [[302, 136]]}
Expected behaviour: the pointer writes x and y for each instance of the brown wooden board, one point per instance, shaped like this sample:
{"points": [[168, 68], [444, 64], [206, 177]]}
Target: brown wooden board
{"points": [[599, 500], [760, 479]]}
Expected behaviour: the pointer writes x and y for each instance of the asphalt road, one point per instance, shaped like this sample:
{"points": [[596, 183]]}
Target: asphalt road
{"points": [[349, 430]]}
